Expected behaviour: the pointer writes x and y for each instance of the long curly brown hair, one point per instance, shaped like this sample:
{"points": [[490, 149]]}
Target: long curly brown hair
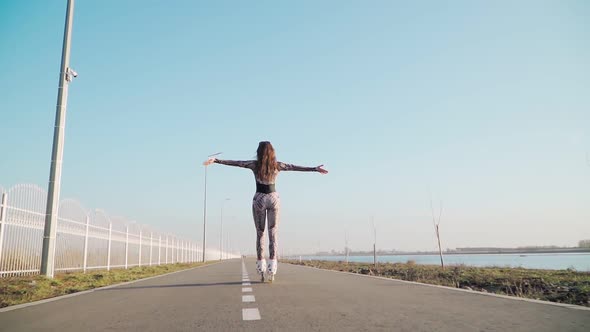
{"points": [[266, 161]]}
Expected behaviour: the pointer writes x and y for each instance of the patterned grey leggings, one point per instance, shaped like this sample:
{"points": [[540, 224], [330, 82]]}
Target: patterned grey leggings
{"points": [[263, 206]]}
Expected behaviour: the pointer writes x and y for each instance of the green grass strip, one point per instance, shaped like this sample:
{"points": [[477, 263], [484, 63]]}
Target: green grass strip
{"points": [[562, 286], [24, 289]]}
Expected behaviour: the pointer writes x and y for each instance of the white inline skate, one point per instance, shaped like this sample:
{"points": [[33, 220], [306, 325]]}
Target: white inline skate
{"points": [[261, 268], [271, 270]]}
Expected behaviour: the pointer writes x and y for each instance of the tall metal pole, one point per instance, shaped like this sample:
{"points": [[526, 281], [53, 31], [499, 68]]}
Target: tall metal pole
{"points": [[221, 231], [49, 234], [221, 235], [205, 217], [205, 209]]}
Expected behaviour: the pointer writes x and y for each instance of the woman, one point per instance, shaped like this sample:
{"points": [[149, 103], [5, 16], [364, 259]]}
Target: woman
{"points": [[266, 202]]}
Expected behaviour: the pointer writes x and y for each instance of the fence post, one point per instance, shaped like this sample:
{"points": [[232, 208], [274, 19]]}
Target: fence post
{"points": [[2, 221], [109, 250], [85, 266], [172, 258], [166, 249], [126, 245], [151, 246], [159, 249], [140, 247]]}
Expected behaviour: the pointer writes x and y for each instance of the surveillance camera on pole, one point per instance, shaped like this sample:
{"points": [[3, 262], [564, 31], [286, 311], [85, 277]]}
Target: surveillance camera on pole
{"points": [[70, 74]]}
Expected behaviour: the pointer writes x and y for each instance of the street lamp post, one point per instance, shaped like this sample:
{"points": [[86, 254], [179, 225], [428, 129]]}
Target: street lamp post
{"points": [[205, 217], [221, 231], [229, 246], [205, 210]]}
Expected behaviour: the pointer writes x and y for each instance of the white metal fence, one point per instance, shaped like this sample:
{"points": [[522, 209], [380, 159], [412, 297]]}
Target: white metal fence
{"points": [[85, 239]]}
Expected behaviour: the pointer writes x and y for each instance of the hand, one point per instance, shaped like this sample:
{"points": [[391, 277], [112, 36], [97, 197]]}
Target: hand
{"points": [[321, 170], [209, 161]]}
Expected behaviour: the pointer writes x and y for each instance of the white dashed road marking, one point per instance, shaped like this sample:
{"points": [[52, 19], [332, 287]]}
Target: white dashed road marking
{"points": [[250, 314]]}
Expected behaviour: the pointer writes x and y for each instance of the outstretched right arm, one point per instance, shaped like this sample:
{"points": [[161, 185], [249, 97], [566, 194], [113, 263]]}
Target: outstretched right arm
{"points": [[291, 167]]}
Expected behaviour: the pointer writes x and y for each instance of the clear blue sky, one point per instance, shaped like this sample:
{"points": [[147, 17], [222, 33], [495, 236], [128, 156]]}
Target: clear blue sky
{"points": [[486, 105]]}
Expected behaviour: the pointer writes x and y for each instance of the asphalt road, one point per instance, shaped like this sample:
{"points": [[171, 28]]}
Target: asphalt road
{"points": [[215, 298]]}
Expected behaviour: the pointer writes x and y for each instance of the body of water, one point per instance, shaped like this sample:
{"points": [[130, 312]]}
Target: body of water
{"points": [[577, 261]]}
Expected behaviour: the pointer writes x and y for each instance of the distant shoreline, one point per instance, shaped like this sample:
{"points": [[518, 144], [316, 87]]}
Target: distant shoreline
{"points": [[465, 252]]}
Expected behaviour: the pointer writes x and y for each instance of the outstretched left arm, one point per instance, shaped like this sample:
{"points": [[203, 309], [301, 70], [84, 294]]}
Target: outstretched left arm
{"points": [[237, 163]]}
